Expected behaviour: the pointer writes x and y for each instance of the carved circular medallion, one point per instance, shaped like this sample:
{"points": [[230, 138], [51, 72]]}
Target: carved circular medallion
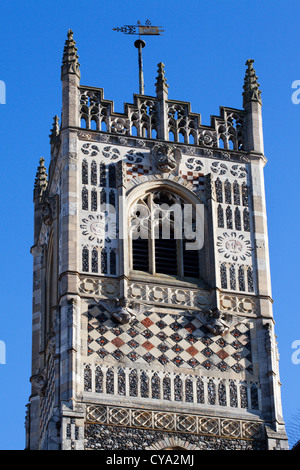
{"points": [[98, 228], [234, 246]]}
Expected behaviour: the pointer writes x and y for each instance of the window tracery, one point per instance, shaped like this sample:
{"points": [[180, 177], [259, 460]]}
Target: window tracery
{"points": [[158, 236]]}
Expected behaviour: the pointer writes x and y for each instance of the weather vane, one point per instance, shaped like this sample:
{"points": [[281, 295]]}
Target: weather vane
{"points": [[140, 30]]}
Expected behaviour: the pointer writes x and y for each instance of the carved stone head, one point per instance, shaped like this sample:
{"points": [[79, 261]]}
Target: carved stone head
{"points": [[166, 157]]}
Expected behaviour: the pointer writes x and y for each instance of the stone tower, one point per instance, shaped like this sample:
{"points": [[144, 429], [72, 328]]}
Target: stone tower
{"points": [[152, 306]]}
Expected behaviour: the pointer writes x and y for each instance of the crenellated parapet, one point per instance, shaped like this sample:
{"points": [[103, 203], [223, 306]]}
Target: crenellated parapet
{"points": [[145, 117]]}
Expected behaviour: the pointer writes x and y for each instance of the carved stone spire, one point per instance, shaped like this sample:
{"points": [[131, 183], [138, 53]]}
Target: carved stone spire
{"points": [[251, 86], [161, 81], [41, 179], [70, 64], [162, 95], [55, 130]]}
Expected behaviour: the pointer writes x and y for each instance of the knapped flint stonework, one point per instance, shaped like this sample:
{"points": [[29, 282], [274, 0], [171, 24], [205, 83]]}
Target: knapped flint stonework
{"points": [[101, 437]]}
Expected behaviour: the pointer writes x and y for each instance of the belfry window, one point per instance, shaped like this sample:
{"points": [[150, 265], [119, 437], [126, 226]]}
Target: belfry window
{"points": [[160, 239]]}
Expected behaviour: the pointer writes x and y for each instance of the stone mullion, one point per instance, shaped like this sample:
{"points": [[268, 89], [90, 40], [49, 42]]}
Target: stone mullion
{"points": [[194, 382], [205, 390], [238, 386], [227, 392], [150, 375], [151, 241], [93, 377], [104, 371], [172, 392], [115, 371], [126, 371], [183, 379], [138, 384], [249, 395]]}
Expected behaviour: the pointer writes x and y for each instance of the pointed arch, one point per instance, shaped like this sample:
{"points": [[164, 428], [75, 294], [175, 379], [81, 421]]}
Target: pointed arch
{"points": [[143, 257]]}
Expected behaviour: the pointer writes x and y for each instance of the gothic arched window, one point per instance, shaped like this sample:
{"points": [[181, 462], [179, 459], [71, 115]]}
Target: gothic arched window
{"points": [[223, 276], [99, 380], [178, 388], [87, 378], [222, 393], [250, 279], [85, 259], [155, 386], [219, 190], [110, 380], [200, 391], [241, 276], [112, 176], [245, 196], [104, 261], [211, 392], [236, 193], [94, 198], [237, 219], [84, 172], [133, 383], [189, 393], [85, 199], [162, 228], [246, 220], [166, 388], [220, 216], [94, 260], [121, 381], [232, 277], [102, 197], [227, 187], [102, 175], [94, 173], [229, 217]]}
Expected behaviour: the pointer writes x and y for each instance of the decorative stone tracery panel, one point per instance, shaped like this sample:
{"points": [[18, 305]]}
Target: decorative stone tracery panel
{"points": [[171, 386], [176, 422]]}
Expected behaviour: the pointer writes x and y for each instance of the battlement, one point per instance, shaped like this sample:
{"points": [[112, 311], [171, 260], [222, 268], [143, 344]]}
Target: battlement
{"points": [[154, 118]]}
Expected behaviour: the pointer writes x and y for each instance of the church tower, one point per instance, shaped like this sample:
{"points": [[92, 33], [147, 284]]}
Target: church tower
{"points": [[152, 321]]}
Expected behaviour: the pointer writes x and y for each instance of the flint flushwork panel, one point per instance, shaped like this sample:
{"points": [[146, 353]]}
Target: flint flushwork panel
{"points": [[170, 386], [187, 427]]}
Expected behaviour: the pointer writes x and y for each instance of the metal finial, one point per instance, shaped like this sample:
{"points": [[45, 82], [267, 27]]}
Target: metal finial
{"points": [[140, 30]]}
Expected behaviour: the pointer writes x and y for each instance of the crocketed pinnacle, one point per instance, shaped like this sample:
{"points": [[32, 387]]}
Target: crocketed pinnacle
{"points": [[161, 81], [41, 179], [251, 85], [70, 62], [55, 130]]}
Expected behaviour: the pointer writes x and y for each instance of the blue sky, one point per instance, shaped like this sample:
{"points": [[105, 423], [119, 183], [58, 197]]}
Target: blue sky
{"points": [[204, 48]]}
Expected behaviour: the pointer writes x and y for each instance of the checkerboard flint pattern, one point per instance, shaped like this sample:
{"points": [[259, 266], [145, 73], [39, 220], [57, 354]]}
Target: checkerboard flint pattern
{"points": [[197, 179], [168, 339], [134, 170]]}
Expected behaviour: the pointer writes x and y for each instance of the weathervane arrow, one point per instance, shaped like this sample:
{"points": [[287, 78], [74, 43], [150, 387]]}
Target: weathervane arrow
{"points": [[140, 30]]}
